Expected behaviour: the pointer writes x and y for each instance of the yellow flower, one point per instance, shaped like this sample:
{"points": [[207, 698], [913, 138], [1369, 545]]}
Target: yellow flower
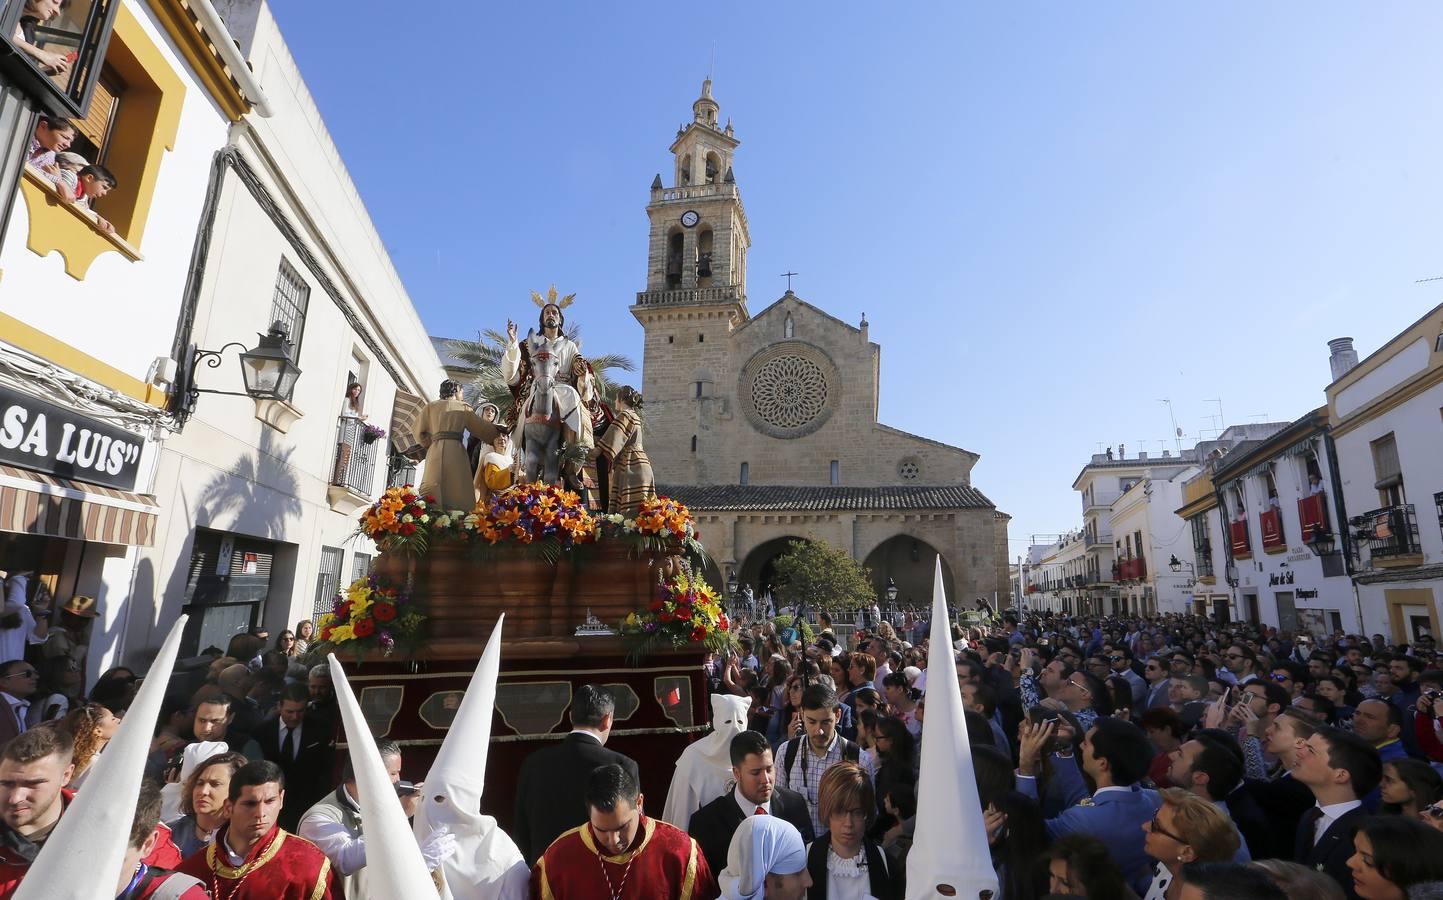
{"points": [[342, 633]]}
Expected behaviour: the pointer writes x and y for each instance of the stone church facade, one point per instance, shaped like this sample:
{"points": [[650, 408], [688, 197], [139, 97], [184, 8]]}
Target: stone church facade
{"points": [[766, 424]]}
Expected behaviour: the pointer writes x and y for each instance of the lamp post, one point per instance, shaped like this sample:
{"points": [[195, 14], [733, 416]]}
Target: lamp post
{"points": [[268, 371], [733, 601]]}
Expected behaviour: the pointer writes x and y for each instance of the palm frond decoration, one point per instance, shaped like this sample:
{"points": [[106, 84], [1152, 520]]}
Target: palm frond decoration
{"points": [[484, 383]]}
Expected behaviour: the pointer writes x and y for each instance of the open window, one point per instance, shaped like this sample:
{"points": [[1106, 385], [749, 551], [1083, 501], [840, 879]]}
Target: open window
{"points": [[56, 47]]}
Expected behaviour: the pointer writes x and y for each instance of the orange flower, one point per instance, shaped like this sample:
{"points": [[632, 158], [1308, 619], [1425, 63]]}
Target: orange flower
{"points": [[507, 516]]}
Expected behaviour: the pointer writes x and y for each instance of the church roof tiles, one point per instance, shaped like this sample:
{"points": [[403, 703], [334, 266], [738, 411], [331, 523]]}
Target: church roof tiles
{"points": [[785, 498]]}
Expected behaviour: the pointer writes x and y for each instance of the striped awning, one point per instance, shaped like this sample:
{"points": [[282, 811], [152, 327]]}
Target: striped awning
{"points": [[403, 417], [36, 503]]}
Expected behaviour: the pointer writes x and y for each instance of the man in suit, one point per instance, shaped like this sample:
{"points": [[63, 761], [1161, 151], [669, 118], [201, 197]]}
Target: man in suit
{"points": [[1340, 768], [305, 753], [18, 681], [756, 794], [1211, 766], [1115, 755], [550, 792]]}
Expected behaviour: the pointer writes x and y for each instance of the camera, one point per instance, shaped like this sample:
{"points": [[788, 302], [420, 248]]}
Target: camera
{"points": [[405, 789]]}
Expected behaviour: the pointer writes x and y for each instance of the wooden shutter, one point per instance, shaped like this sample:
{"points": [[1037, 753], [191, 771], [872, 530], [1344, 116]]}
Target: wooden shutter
{"points": [[1385, 463], [103, 103]]}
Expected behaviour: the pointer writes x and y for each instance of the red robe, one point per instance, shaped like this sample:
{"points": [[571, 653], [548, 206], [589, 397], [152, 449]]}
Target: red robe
{"points": [[280, 866], [665, 862]]}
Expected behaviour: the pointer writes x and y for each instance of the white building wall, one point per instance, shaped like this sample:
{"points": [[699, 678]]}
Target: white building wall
{"points": [[228, 471]]}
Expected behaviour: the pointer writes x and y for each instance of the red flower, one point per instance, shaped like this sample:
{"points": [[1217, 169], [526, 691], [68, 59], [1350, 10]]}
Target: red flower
{"points": [[326, 633], [665, 617], [408, 498], [416, 511], [724, 623], [698, 633], [384, 612], [684, 614], [428, 498], [407, 529], [656, 606], [364, 627]]}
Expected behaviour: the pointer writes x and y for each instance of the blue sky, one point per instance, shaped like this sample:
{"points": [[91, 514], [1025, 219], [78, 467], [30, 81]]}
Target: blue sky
{"points": [[1059, 213]]}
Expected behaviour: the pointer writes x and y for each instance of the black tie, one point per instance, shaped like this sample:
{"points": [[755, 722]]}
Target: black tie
{"points": [[288, 746], [1310, 827]]}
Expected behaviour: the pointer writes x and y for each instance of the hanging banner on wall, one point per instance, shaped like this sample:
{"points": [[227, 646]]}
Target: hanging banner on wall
{"points": [[39, 435]]}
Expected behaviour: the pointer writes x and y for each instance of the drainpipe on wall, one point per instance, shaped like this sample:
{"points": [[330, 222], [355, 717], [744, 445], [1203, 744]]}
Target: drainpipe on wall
{"points": [[1345, 536]]}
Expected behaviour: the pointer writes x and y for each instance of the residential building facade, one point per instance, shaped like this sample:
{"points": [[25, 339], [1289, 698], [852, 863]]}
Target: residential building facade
{"points": [[1385, 414]]}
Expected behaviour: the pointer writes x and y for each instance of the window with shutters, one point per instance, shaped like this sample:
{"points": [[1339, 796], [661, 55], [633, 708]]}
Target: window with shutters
{"points": [[288, 304], [94, 132], [1387, 472]]}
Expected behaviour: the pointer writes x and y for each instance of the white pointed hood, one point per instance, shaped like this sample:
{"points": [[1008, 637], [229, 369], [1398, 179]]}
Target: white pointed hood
{"points": [[394, 867], [82, 858], [487, 863], [704, 769], [950, 847]]}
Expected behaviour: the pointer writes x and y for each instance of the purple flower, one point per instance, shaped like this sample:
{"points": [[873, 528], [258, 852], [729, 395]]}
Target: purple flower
{"points": [[650, 627], [386, 641]]}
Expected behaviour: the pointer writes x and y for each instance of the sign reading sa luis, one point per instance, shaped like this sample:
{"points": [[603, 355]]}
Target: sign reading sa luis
{"points": [[38, 435]]}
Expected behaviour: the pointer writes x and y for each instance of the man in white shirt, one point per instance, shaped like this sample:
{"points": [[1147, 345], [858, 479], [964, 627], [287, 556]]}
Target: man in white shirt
{"points": [[18, 626], [1340, 769], [756, 793], [334, 825]]}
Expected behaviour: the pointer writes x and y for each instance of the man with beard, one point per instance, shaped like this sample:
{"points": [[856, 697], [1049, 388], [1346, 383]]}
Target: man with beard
{"points": [[252, 857], [552, 400], [756, 794]]}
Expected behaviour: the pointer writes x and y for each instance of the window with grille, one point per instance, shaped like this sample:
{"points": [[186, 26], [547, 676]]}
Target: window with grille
{"points": [[328, 579], [288, 306], [360, 565]]}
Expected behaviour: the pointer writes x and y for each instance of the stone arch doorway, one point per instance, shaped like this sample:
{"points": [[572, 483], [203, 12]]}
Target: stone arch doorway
{"points": [[910, 561], [759, 567]]}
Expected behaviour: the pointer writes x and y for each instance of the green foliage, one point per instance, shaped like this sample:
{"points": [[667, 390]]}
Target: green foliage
{"points": [[823, 577]]}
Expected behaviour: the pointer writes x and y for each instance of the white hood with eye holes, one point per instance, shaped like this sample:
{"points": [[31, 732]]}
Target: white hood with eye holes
{"points": [[487, 864], [704, 771]]}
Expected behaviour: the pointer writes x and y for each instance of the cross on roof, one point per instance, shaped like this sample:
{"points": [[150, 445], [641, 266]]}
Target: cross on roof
{"points": [[788, 277]]}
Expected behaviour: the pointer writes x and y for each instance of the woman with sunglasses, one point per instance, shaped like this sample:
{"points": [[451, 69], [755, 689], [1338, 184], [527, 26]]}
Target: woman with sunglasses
{"points": [[1185, 829], [1408, 787]]}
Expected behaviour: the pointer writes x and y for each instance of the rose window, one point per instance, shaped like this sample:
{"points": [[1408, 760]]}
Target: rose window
{"points": [[789, 391], [908, 470]]}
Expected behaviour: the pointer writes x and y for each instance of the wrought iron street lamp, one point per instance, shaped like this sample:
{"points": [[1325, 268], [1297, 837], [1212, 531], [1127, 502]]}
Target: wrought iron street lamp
{"points": [[891, 590], [268, 371]]}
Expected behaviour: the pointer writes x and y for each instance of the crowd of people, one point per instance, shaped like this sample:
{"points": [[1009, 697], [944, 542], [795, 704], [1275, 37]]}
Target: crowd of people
{"points": [[1153, 758]]}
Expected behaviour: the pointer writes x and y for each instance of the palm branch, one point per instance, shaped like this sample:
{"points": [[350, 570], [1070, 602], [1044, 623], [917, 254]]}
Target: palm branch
{"points": [[482, 357]]}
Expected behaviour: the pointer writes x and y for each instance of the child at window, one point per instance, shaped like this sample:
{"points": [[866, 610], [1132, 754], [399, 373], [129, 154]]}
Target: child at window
{"points": [[94, 182], [67, 181]]}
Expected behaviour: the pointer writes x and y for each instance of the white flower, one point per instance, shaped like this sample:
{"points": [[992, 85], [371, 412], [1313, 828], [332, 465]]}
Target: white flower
{"points": [[425, 519], [408, 518], [443, 521]]}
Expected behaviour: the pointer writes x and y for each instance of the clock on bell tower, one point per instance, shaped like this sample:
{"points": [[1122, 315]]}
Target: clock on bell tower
{"points": [[699, 238]]}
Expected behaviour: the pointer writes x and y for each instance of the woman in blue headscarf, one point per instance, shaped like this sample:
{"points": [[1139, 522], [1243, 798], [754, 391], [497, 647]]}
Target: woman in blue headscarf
{"points": [[766, 861]]}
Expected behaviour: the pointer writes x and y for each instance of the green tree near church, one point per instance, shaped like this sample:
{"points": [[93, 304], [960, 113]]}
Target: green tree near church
{"points": [[822, 576]]}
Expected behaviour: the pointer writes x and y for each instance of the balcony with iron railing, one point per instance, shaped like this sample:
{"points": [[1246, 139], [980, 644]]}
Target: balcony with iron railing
{"points": [[354, 471], [1098, 500], [1387, 538], [1102, 540], [400, 471]]}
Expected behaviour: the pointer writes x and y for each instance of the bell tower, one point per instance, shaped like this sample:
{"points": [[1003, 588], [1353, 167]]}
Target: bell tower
{"points": [[696, 290]]}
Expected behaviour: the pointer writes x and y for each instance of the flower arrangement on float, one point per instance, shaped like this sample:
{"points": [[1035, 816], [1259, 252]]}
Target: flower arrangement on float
{"points": [[406, 521], [684, 610], [544, 517], [661, 525], [371, 615]]}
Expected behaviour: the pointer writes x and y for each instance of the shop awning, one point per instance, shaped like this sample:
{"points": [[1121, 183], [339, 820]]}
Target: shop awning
{"points": [[36, 503]]}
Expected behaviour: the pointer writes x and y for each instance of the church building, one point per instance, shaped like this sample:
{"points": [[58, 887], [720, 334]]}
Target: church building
{"points": [[766, 425]]}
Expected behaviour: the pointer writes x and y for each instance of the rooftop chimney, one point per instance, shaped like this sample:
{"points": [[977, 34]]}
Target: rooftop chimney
{"points": [[1343, 357]]}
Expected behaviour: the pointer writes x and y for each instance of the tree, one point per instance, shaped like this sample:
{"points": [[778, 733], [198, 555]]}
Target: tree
{"points": [[823, 577], [483, 357]]}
